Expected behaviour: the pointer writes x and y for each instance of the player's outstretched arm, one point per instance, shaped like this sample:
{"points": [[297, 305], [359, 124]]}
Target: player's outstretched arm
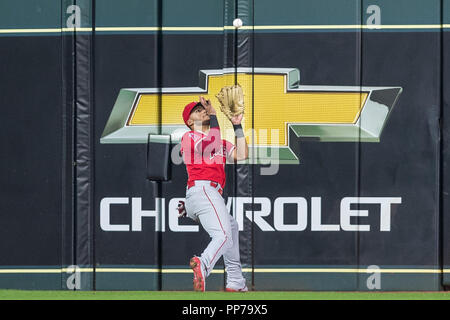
{"points": [[241, 150]]}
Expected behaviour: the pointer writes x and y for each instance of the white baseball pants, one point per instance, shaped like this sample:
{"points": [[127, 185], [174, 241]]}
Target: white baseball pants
{"points": [[204, 204]]}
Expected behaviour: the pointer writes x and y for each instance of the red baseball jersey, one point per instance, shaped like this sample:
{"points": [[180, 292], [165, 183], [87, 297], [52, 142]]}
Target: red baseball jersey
{"points": [[205, 155]]}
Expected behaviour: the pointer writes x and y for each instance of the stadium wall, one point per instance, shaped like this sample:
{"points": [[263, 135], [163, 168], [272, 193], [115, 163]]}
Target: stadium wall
{"points": [[348, 192]]}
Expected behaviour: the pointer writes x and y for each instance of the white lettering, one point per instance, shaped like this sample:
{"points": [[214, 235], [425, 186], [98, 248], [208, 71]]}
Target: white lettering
{"points": [[302, 212], [374, 21], [347, 214], [210, 311], [316, 217], [274, 157], [385, 212], [74, 20], [105, 215], [73, 281], [374, 280], [137, 214], [259, 214], [236, 207]]}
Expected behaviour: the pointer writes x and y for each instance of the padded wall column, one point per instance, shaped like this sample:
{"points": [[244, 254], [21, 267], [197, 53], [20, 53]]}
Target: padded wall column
{"points": [[83, 154], [445, 143]]}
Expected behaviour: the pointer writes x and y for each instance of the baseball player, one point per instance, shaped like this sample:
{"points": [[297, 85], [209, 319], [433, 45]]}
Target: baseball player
{"points": [[205, 154]]}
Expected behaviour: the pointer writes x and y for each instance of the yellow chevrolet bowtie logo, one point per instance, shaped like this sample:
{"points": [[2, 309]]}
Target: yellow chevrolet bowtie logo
{"points": [[277, 107]]}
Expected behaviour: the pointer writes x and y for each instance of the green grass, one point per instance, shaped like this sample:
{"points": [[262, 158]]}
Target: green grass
{"points": [[216, 295]]}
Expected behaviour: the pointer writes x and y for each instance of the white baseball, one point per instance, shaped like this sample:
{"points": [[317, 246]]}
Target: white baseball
{"points": [[237, 23]]}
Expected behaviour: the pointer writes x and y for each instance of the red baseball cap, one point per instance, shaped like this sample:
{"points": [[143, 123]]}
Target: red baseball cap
{"points": [[188, 109]]}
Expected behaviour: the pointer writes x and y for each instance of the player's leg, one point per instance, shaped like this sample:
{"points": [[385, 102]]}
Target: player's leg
{"points": [[214, 218], [232, 260]]}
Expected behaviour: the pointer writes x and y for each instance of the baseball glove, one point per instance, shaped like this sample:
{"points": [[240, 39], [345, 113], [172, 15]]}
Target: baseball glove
{"points": [[231, 100]]}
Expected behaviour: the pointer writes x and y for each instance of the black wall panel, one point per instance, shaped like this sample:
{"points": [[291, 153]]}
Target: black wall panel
{"points": [[31, 164]]}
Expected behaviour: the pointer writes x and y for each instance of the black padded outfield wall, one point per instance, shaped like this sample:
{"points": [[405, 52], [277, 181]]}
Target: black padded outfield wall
{"points": [[445, 151], [346, 116]]}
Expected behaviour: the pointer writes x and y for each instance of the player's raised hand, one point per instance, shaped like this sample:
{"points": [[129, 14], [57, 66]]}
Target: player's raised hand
{"points": [[207, 105], [237, 119]]}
